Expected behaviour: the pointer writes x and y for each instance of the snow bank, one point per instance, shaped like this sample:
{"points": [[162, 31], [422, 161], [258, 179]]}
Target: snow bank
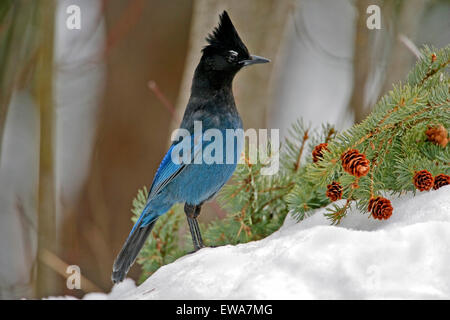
{"points": [[407, 256], [128, 285]]}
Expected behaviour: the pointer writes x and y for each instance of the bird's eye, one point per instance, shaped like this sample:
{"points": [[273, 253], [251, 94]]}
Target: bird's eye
{"points": [[232, 56]]}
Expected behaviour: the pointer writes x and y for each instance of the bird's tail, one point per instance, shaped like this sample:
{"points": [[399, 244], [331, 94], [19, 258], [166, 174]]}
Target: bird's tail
{"points": [[130, 250]]}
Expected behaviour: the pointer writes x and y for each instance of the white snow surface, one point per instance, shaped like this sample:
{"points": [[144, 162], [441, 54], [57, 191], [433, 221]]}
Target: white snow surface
{"points": [[405, 257]]}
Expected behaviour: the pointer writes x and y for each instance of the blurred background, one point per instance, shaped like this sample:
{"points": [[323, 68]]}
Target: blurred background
{"points": [[86, 113]]}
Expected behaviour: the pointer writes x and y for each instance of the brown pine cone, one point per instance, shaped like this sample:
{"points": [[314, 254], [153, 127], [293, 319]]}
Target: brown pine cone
{"points": [[423, 180], [355, 163], [441, 180], [433, 57], [318, 151], [334, 191], [381, 208], [438, 135]]}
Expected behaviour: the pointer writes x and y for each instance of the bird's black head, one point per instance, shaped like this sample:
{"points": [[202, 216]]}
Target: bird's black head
{"points": [[225, 53]]}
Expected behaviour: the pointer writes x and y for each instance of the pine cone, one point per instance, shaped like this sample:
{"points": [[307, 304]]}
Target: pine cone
{"points": [[334, 191], [433, 57], [423, 180], [318, 151], [381, 208], [438, 135], [355, 163], [441, 180]]}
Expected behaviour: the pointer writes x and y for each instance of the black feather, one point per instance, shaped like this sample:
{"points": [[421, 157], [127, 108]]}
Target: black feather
{"points": [[129, 251], [225, 37]]}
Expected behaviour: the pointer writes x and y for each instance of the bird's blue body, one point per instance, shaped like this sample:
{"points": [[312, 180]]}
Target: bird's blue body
{"points": [[195, 183], [192, 183]]}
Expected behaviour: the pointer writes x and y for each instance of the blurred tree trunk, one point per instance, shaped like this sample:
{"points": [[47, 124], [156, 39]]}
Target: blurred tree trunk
{"points": [[362, 53], [255, 20], [26, 56], [145, 41], [17, 44], [47, 278], [398, 18], [407, 23]]}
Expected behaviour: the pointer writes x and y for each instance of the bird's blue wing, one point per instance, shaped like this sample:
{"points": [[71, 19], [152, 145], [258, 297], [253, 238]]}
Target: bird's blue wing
{"points": [[166, 172], [169, 169]]}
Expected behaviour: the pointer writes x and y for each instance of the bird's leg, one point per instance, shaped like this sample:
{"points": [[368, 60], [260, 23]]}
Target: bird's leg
{"points": [[192, 213]]}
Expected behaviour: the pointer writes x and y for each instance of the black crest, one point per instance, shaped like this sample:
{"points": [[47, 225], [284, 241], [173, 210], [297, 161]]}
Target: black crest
{"points": [[225, 37]]}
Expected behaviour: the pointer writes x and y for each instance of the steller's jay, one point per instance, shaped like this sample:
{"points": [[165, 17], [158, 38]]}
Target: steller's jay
{"points": [[212, 103]]}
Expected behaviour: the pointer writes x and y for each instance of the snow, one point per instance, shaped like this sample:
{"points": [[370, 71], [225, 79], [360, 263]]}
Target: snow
{"points": [[405, 257], [116, 292]]}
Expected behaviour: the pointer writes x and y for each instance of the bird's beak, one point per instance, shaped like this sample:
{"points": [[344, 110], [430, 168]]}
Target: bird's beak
{"points": [[254, 60]]}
